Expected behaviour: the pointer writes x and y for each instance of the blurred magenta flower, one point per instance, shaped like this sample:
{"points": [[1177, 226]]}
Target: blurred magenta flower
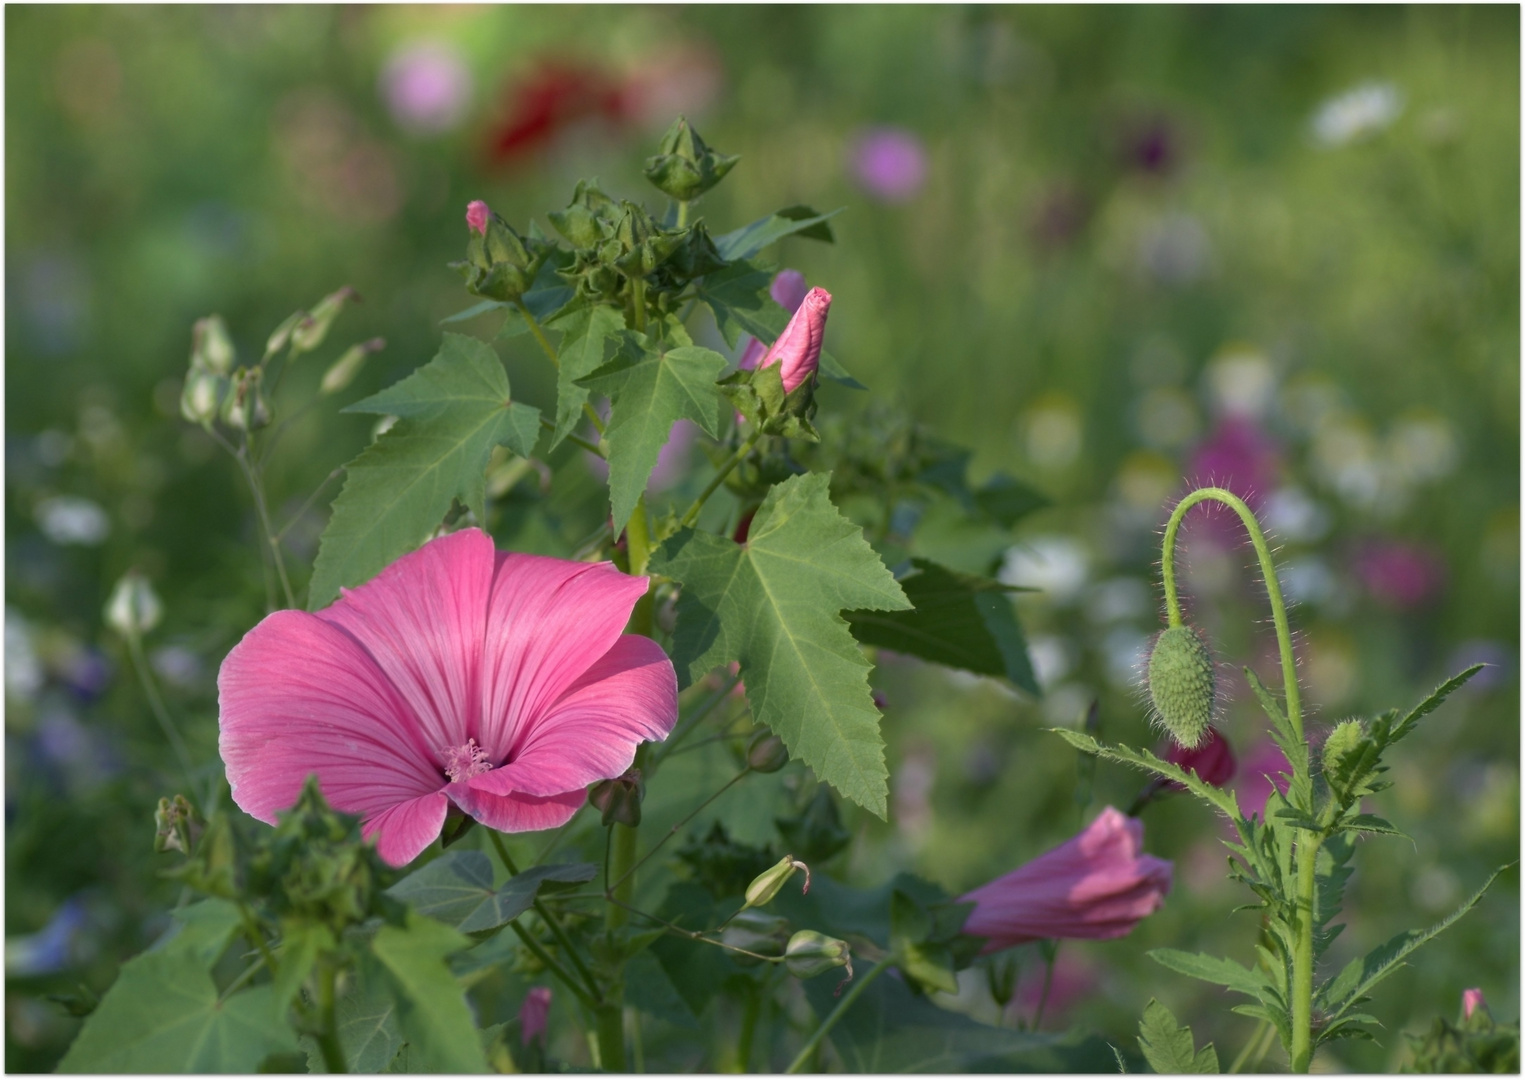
{"points": [[478, 213], [1212, 761], [427, 87], [797, 352], [788, 291], [1239, 456], [1263, 766], [533, 1014], [672, 460], [1097, 885], [555, 96], [1075, 979], [890, 163], [1399, 575], [1471, 1000], [499, 682]]}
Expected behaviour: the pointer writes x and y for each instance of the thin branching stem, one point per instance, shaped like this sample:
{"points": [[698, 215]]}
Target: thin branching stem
{"points": [[803, 1057]]}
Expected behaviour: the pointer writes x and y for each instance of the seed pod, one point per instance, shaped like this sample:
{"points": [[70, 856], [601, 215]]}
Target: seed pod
{"points": [[767, 753], [1182, 685], [810, 953], [765, 885]]}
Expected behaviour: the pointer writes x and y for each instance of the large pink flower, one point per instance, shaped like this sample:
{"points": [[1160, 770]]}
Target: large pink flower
{"points": [[496, 681], [1096, 885]]}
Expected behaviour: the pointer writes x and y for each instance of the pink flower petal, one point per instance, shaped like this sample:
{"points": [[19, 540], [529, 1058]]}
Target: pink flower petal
{"points": [[299, 696], [423, 619], [519, 812], [629, 696], [548, 622], [407, 828]]}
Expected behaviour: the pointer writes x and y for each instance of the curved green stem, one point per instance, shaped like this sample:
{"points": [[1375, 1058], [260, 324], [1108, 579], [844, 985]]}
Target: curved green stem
{"points": [[674, 830], [156, 705], [692, 514], [800, 1059], [1268, 571], [546, 915], [538, 333]]}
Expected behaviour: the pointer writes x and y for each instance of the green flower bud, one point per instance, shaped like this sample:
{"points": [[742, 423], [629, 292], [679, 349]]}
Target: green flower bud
{"points": [[765, 885], [176, 826], [211, 348], [201, 396], [308, 333], [342, 371], [684, 167], [619, 800], [134, 608], [766, 935], [809, 953], [1182, 685], [766, 753], [245, 408], [500, 264]]}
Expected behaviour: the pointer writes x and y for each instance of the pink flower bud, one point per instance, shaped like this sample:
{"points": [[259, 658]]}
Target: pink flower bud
{"points": [[1212, 761], [788, 291], [1470, 1000], [533, 1014], [797, 351], [477, 215], [1097, 885]]}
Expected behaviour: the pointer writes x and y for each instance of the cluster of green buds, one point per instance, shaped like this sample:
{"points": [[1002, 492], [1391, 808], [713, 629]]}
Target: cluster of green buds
{"points": [[314, 865], [177, 826], [684, 168], [207, 381], [500, 264]]}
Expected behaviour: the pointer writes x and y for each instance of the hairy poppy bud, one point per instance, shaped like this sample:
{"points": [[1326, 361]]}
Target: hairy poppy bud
{"points": [[134, 607], [765, 885], [1182, 685], [619, 800], [684, 167], [810, 952], [766, 753]]}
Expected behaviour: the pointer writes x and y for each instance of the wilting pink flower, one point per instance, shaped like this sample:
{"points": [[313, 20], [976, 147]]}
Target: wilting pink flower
{"points": [[1212, 761], [889, 162], [426, 86], [477, 215], [1398, 575], [788, 291], [1263, 766], [1096, 885], [533, 1014], [1470, 1000], [498, 682], [798, 349]]}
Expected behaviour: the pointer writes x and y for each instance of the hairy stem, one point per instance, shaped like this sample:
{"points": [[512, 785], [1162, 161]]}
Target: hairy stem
{"points": [[803, 1057], [1301, 1050]]}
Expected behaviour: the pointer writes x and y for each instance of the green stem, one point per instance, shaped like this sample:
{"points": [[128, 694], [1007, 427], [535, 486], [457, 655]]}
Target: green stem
{"points": [[638, 304], [693, 721], [683, 213], [1249, 1047], [750, 1011], [1051, 955], [621, 871], [539, 333], [551, 963], [251, 472], [674, 830], [1301, 1050], [800, 1059], [609, 1021], [1267, 569], [328, 1032], [692, 515], [156, 705], [248, 973], [306, 506], [638, 546], [545, 914], [575, 439]]}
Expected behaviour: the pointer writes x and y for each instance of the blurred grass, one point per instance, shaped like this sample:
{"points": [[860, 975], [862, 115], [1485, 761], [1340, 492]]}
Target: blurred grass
{"points": [[1047, 284]]}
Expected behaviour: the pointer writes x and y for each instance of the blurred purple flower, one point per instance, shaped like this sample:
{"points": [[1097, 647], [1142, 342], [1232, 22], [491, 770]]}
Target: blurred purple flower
{"points": [[1399, 576], [672, 461], [533, 1014], [1238, 455], [1152, 146], [427, 87], [788, 291], [52, 948], [1499, 657], [890, 163], [1074, 980], [85, 671], [1263, 766]]}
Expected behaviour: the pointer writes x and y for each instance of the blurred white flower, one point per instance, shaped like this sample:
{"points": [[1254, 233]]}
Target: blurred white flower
{"points": [[23, 671], [1066, 706], [1053, 434], [1052, 659], [427, 87], [1356, 113], [1124, 648], [69, 519], [1290, 514], [1054, 565], [1117, 599], [1167, 418], [1422, 448], [1242, 382], [1174, 249], [1307, 580]]}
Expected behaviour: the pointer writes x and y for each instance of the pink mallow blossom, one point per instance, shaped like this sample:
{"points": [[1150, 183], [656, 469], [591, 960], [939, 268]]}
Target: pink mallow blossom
{"points": [[498, 682], [1096, 885], [788, 291], [797, 352], [533, 1014], [477, 215]]}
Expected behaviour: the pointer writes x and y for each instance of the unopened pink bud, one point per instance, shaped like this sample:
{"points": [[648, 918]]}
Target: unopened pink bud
{"points": [[1470, 1000], [533, 1014], [797, 351], [477, 215]]}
